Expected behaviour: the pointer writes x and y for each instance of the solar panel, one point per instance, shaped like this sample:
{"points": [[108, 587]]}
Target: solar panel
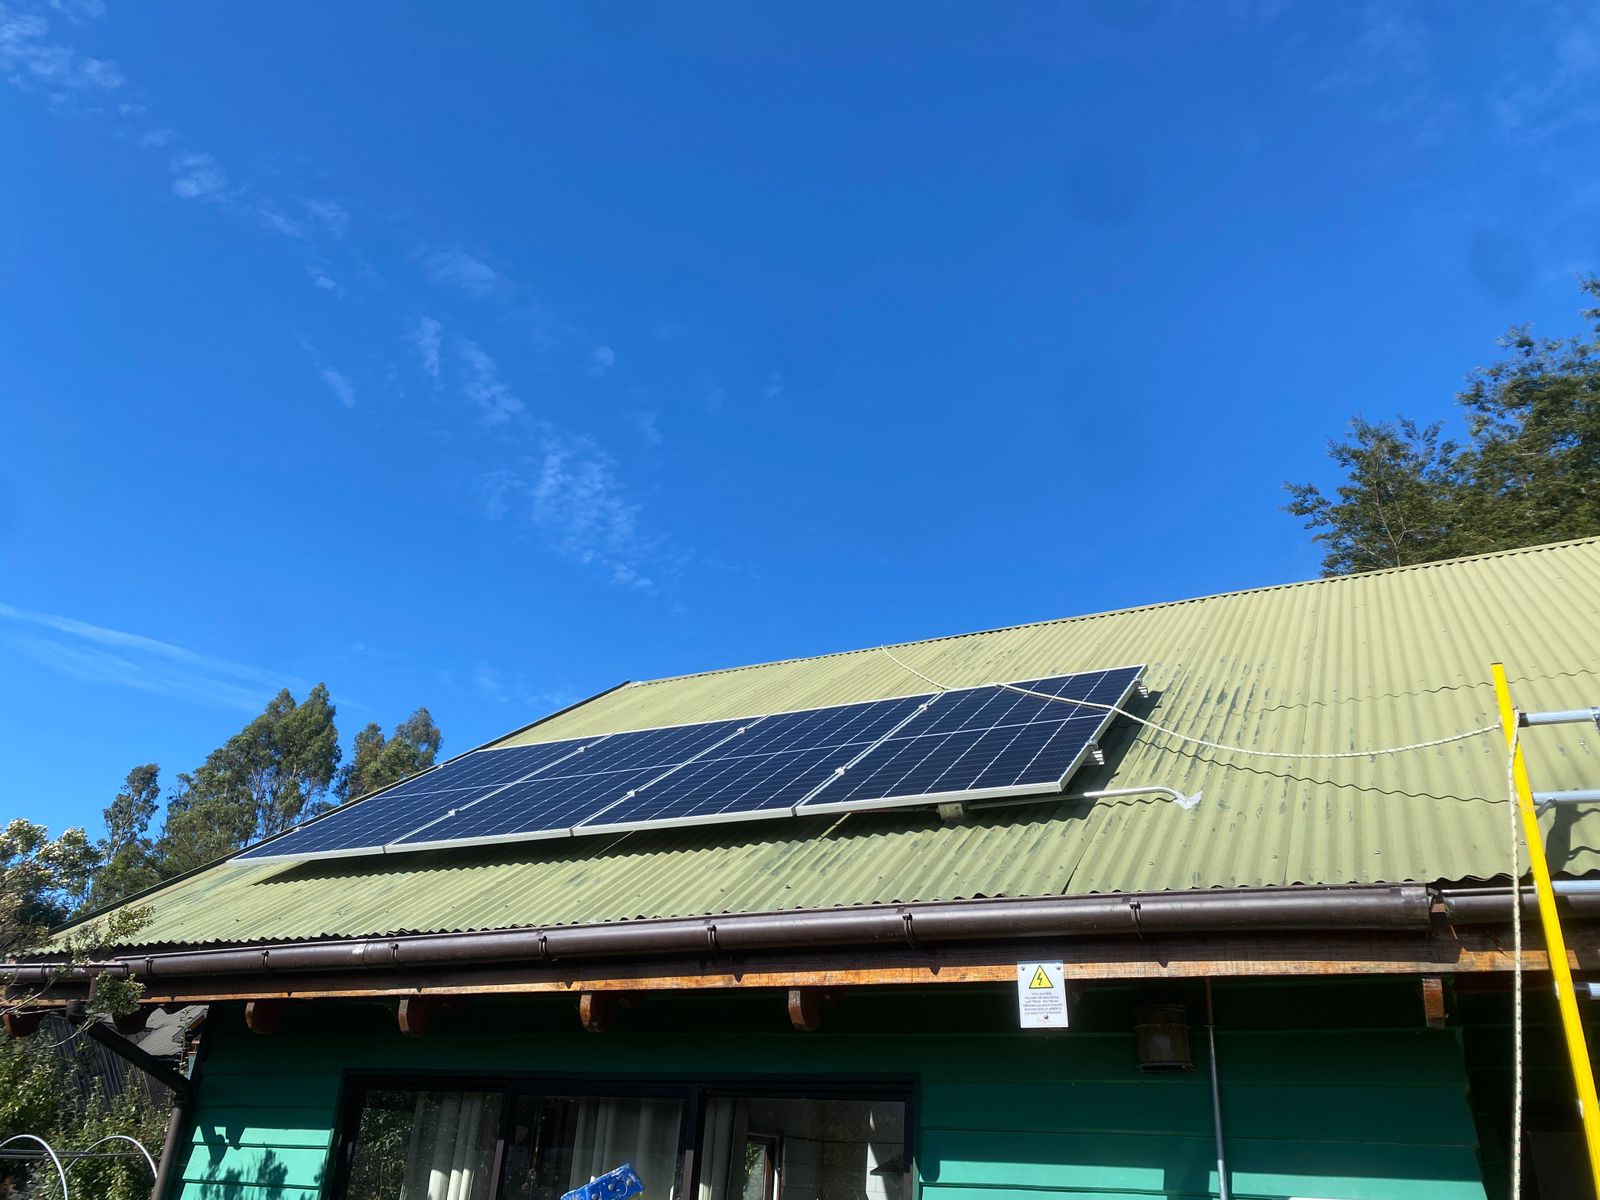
{"points": [[554, 801], [764, 772], [366, 825], [966, 744], [982, 742]]}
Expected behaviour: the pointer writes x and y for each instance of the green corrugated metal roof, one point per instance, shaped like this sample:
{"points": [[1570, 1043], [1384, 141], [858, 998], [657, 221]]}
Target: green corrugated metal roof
{"points": [[1340, 664]]}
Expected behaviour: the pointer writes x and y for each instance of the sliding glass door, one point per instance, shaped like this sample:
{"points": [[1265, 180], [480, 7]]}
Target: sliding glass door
{"points": [[518, 1140]]}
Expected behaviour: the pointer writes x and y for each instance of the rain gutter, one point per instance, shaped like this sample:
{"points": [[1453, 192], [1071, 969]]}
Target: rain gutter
{"points": [[1389, 908]]}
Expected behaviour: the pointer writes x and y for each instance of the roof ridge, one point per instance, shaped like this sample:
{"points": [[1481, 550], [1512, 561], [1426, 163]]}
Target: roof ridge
{"points": [[1435, 564]]}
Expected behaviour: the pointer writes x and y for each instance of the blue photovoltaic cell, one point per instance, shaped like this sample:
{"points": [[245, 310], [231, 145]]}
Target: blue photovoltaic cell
{"points": [[972, 742], [766, 770], [372, 822], [983, 739], [556, 800]]}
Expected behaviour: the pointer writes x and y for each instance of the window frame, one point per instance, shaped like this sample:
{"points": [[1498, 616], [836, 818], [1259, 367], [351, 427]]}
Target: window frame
{"points": [[354, 1084]]}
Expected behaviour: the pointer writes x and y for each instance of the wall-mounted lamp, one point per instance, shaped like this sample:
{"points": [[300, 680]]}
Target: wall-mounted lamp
{"points": [[1162, 1031]]}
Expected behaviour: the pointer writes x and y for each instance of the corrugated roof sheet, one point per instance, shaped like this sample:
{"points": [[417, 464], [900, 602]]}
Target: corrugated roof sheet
{"points": [[1351, 663]]}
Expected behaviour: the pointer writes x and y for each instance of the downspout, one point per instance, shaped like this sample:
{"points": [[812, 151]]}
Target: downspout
{"points": [[1216, 1101], [183, 1106], [177, 1122], [182, 1088]]}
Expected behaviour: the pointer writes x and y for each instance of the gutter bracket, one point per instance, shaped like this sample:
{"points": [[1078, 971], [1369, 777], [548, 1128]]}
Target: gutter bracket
{"points": [[911, 936]]}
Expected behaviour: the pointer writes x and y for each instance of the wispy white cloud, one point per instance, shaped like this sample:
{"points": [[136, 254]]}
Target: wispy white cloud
{"points": [[322, 280], [510, 687], [569, 490], [426, 338], [79, 11], [275, 220], [645, 421], [1561, 92], [482, 387], [773, 388], [339, 384], [29, 59], [563, 485], [329, 215], [465, 272], [117, 658], [198, 177]]}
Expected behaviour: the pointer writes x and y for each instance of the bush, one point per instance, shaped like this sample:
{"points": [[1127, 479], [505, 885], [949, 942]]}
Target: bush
{"points": [[41, 1094]]}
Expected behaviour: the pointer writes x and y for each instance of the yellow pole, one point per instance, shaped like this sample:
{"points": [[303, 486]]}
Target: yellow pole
{"points": [[1555, 944]]}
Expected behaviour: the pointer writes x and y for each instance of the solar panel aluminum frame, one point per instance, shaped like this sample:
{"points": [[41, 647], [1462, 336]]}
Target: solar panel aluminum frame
{"points": [[388, 847], [805, 806], [545, 835], [729, 818], [802, 808]]}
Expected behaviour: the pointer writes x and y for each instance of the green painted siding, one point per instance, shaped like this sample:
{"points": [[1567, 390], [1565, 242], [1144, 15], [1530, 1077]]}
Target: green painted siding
{"points": [[1376, 1113]]}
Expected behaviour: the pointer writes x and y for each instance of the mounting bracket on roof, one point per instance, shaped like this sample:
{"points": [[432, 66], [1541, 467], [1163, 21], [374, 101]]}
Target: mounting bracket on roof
{"points": [[953, 812]]}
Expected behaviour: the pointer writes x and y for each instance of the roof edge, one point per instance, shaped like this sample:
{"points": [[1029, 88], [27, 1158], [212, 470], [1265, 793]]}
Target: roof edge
{"points": [[1325, 580]]}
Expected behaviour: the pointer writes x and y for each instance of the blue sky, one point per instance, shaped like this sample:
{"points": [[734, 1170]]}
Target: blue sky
{"points": [[485, 358]]}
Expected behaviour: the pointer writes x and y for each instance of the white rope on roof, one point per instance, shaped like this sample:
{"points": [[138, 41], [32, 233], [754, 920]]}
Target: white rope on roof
{"points": [[1223, 747]]}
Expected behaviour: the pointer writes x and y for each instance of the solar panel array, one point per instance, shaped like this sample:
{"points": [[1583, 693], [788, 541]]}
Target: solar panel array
{"points": [[962, 744]]}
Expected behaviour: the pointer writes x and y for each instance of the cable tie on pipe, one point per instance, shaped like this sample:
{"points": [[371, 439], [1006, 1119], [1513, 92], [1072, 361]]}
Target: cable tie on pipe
{"points": [[711, 937], [544, 946], [1138, 926]]}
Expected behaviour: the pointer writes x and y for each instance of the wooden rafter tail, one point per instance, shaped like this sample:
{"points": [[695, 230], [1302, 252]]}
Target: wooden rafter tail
{"points": [[597, 1011], [266, 1016]]}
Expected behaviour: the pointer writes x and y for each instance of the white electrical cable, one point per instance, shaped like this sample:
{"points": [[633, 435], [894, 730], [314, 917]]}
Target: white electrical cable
{"points": [[1514, 807], [1516, 852], [1221, 746]]}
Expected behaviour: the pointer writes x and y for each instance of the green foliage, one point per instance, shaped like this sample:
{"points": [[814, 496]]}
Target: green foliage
{"points": [[41, 1094], [42, 879], [281, 768], [275, 771], [127, 856], [377, 762], [1530, 472]]}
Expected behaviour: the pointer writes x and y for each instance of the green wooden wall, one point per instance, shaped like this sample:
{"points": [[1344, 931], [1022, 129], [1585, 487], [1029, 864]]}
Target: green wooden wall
{"points": [[1334, 1091]]}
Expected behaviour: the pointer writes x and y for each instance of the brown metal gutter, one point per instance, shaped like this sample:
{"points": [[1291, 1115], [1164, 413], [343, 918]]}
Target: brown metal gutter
{"points": [[1492, 905], [1395, 908]]}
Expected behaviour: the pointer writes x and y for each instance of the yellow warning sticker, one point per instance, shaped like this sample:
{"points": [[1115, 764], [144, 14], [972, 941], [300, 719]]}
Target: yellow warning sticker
{"points": [[1041, 995]]}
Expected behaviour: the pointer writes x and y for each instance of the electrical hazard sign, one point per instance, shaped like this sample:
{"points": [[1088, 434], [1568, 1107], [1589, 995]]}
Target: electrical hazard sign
{"points": [[1041, 995]]}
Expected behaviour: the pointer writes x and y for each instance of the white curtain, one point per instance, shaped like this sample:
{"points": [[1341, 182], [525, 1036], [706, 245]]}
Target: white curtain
{"points": [[722, 1168], [611, 1132], [452, 1146]]}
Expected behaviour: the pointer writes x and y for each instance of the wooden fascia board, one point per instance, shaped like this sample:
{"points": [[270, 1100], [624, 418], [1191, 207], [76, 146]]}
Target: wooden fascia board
{"points": [[1446, 952]]}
